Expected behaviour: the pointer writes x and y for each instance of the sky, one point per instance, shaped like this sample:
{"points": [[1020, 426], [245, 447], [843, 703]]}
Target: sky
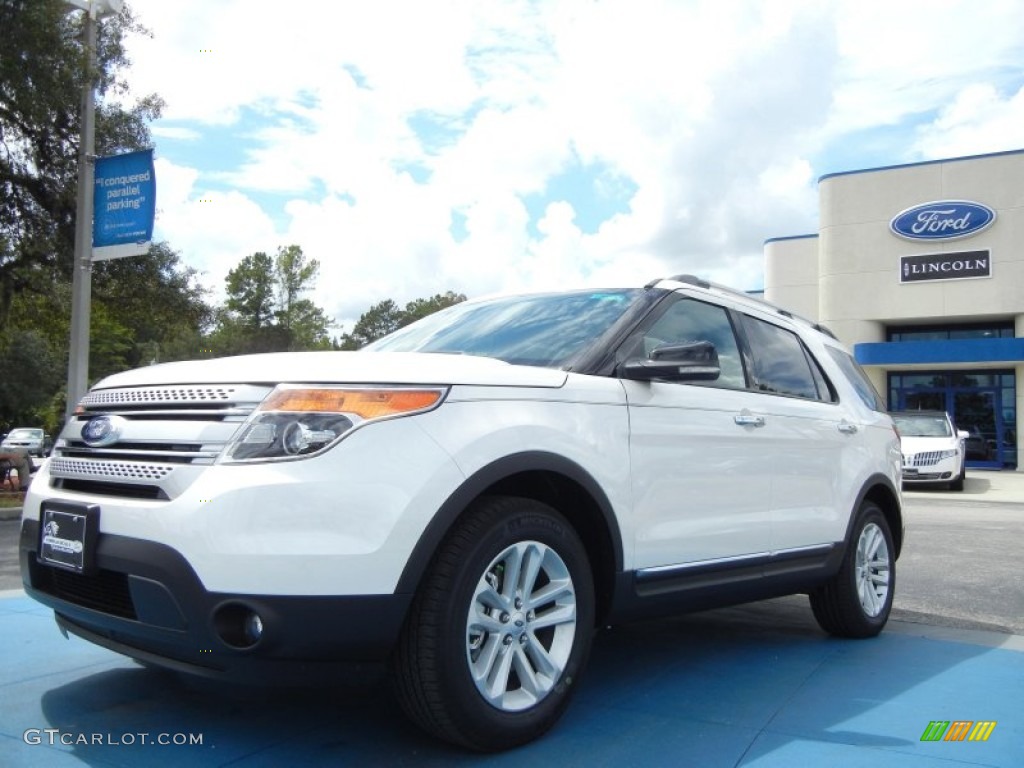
{"points": [[487, 146]]}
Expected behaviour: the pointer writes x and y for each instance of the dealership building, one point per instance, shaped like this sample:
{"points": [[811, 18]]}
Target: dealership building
{"points": [[920, 270]]}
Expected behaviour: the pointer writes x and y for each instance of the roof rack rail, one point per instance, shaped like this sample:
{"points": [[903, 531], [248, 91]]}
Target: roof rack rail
{"points": [[701, 283]]}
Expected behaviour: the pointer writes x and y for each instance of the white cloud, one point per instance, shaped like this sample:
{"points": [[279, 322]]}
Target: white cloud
{"points": [[714, 110], [978, 121], [175, 132], [210, 230]]}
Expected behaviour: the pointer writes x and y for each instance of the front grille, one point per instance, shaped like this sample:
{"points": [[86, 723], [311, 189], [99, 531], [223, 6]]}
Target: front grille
{"points": [[104, 591], [923, 459], [165, 436]]}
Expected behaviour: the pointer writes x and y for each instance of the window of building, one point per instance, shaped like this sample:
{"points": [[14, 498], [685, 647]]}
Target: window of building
{"points": [[1000, 330]]}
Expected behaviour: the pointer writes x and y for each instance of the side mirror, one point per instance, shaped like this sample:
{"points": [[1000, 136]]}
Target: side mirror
{"points": [[688, 361], [963, 434]]}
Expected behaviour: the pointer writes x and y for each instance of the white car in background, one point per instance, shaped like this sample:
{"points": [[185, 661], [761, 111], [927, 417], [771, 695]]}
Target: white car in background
{"points": [[934, 451], [35, 442]]}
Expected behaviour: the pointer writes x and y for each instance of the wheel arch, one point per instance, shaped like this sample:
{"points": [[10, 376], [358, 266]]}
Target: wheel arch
{"points": [[880, 490], [546, 477]]}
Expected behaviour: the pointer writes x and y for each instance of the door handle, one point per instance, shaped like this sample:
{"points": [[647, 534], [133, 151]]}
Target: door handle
{"points": [[747, 419], [847, 428]]}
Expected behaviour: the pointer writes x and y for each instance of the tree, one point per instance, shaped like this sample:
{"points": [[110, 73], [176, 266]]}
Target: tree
{"points": [[265, 310], [156, 299], [250, 289], [294, 276], [42, 71], [29, 356]]}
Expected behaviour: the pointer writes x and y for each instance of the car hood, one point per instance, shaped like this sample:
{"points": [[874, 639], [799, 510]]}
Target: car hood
{"points": [[922, 444], [341, 368]]}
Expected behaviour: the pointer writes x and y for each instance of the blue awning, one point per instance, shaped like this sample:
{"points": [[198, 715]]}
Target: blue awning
{"points": [[940, 352]]}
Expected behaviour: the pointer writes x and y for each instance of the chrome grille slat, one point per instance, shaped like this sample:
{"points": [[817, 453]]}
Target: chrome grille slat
{"points": [[124, 471]]}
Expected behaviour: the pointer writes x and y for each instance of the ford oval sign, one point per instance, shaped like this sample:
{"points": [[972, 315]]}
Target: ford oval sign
{"points": [[101, 431], [942, 220]]}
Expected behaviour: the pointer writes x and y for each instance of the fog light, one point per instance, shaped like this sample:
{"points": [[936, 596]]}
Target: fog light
{"points": [[253, 627], [238, 625]]}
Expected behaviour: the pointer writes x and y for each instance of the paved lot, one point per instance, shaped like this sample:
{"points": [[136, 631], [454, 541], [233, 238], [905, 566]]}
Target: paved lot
{"points": [[751, 686]]}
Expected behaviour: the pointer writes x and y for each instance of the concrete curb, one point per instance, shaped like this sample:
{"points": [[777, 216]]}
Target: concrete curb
{"points": [[10, 513]]}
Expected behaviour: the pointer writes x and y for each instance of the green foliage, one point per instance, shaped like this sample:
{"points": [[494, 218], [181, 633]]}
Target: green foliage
{"points": [[265, 311], [251, 291], [43, 68], [157, 299], [25, 394]]}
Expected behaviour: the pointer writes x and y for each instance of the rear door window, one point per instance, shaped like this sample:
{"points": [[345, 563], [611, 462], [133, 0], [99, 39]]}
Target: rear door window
{"points": [[781, 364]]}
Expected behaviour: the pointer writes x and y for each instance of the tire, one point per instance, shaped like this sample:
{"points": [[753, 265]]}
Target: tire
{"points": [[857, 601], [958, 484], [491, 652]]}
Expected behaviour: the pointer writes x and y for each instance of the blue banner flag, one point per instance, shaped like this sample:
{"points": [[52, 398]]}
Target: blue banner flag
{"points": [[125, 200]]}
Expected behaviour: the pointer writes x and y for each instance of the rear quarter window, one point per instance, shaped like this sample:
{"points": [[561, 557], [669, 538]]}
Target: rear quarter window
{"points": [[856, 376]]}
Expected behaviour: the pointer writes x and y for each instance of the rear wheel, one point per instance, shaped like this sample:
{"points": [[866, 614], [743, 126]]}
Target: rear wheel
{"points": [[500, 629], [857, 601]]}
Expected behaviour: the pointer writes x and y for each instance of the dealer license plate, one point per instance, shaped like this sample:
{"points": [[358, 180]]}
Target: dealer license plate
{"points": [[67, 537]]}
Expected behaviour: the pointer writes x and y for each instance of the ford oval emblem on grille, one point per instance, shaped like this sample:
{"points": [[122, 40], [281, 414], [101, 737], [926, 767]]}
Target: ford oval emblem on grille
{"points": [[942, 220], [101, 431]]}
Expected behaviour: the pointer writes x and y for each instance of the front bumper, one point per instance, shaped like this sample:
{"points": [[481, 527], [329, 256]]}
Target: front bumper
{"points": [[939, 472], [145, 601]]}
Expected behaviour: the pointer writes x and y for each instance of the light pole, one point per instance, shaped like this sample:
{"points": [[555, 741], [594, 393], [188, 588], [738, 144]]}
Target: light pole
{"points": [[81, 273]]}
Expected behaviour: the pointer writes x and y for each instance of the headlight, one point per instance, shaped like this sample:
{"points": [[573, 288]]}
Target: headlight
{"points": [[948, 454], [296, 421]]}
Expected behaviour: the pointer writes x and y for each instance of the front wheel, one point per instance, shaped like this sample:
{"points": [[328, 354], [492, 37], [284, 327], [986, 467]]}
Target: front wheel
{"points": [[856, 602], [500, 629]]}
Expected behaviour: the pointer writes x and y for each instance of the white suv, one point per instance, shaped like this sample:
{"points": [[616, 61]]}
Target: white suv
{"points": [[471, 496]]}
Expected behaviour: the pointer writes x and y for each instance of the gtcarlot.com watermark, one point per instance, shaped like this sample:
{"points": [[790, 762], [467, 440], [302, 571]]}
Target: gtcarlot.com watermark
{"points": [[55, 737]]}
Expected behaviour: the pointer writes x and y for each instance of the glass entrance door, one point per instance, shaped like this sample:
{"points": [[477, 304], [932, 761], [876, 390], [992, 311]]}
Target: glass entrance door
{"points": [[975, 412], [980, 403], [934, 400]]}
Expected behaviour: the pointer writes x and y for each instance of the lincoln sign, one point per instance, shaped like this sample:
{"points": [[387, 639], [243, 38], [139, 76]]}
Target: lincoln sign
{"points": [[945, 266]]}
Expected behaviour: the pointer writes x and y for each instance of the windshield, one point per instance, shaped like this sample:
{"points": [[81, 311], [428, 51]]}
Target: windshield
{"points": [[923, 426], [545, 329], [26, 434]]}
